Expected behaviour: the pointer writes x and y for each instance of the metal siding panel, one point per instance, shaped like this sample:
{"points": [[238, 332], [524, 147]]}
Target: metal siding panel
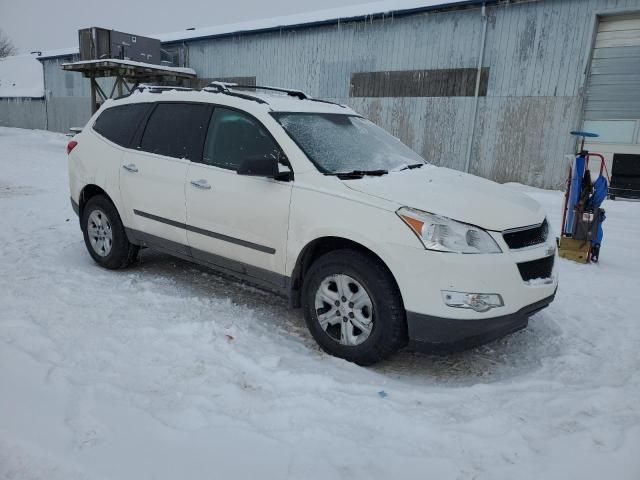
{"points": [[616, 52], [557, 48], [583, 17], [453, 82], [616, 24], [535, 50], [625, 38], [570, 65], [66, 112], [626, 92], [606, 79], [622, 66], [519, 38], [22, 113]]}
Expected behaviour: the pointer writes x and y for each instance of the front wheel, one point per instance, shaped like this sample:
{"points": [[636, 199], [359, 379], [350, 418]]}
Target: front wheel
{"points": [[353, 308], [104, 234]]}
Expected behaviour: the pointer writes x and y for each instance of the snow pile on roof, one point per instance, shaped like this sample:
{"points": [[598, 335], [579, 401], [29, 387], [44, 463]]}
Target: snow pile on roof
{"points": [[340, 13], [60, 52], [154, 66], [21, 76]]}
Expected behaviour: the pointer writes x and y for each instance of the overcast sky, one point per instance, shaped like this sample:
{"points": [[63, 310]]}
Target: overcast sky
{"points": [[52, 24]]}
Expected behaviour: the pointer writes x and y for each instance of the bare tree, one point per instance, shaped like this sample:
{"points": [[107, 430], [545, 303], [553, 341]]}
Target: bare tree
{"points": [[6, 46]]}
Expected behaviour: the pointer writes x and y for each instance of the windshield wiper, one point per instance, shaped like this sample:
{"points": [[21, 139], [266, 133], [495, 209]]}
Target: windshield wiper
{"points": [[360, 173], [411, 167]]}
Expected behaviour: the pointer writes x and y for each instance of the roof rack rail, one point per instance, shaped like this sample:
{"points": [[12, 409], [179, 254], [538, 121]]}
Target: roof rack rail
{"points": [[222, 87], [219, 86], [159, 88], [329, 102], [144, 87], [290, 92], [226, 87]]}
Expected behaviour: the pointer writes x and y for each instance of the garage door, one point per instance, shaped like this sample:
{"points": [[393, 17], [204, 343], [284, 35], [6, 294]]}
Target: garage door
{"points": [[614, 79], [612, 95]]}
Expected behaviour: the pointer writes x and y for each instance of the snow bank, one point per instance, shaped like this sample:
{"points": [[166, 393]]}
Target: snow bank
{"points": [[21, 76], [168, 371]]}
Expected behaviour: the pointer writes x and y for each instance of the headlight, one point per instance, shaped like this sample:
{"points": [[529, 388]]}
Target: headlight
{"points": [[446, 235]]}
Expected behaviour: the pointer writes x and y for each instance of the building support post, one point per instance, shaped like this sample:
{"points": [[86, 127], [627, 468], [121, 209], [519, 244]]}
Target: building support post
{"points": [[93, 95], [476, 99], [46, 97]]}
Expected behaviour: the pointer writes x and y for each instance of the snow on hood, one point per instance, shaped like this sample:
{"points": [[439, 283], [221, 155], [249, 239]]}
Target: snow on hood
{"points": [[21, 76], [456, 195]]}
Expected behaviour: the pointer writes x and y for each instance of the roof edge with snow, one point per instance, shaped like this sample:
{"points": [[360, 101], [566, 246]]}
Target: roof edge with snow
{"points": [[21, 76], [368, 11]]}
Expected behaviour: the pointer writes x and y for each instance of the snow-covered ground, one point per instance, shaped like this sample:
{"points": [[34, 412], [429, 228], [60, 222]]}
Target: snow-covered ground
{"points": [[168, 371]]}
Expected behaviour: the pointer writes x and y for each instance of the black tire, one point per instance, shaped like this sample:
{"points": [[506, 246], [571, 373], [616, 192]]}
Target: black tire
{"points": [[122, 253], [389, 332]]}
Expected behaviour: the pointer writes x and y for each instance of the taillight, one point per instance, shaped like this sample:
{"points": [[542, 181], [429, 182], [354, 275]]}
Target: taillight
{"points": [[71, 145]]}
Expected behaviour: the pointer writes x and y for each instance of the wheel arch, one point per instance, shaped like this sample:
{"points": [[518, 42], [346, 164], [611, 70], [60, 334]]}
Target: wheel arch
{"points": [[314, 250], [89, 191]]}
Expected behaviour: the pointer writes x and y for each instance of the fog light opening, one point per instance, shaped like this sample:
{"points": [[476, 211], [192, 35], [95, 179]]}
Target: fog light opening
{"points": [[479, 302]]}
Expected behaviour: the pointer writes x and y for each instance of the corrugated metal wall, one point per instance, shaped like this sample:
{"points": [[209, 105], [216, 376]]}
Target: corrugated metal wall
{"points": [[536, 52], [22, 112], [67, 95], [321, 60]]}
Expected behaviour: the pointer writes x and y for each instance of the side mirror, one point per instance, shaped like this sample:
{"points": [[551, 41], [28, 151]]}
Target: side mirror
{"points": [[259, 167], [266, 167]]}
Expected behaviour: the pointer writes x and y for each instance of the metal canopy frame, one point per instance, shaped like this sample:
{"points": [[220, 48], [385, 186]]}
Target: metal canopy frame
{"points": [[124, 74]]}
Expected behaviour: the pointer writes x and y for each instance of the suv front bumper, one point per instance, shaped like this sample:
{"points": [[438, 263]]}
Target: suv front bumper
{"points": [[447, 335], [424, 275]]}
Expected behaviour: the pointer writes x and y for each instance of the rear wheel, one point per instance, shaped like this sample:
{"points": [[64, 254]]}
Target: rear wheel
{"points": [[104, 234], [353, 307]]}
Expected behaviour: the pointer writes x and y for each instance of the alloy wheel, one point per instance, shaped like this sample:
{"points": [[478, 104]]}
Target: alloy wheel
{"points": [[100, 233], [344, 309]]}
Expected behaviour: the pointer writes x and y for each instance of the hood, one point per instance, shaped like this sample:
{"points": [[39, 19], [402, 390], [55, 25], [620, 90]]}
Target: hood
{"points": [[456, 195]]}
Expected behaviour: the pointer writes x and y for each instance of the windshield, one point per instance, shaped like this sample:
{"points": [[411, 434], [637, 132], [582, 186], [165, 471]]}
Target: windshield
{"points": [[338, 143]]}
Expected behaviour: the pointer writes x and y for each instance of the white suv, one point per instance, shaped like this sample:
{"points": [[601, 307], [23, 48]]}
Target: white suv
{"points": [[310, 200]]}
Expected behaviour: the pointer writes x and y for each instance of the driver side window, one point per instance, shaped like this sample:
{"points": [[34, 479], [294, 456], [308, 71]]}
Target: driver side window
{"points": [[233, 137]]}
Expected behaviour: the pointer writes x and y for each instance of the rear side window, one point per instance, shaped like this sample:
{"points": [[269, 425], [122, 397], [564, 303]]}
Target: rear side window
{"points": [[234, 137], [119, 124], [177, 130]]}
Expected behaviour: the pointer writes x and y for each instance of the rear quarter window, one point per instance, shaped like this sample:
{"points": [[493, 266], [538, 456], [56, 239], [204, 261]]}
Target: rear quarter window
{"points": [[119, 124]]}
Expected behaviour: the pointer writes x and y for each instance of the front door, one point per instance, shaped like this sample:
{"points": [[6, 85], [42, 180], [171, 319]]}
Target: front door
{"points": [[234, 221]]}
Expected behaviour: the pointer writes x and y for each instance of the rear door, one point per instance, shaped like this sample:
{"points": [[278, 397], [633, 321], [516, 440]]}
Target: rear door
{"points": [[235, 217], [117, 125], [152, 177]]}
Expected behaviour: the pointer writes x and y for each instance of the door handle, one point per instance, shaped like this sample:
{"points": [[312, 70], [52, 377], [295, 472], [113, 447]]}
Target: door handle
{"points": [[201, 184], [130, 167]]}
